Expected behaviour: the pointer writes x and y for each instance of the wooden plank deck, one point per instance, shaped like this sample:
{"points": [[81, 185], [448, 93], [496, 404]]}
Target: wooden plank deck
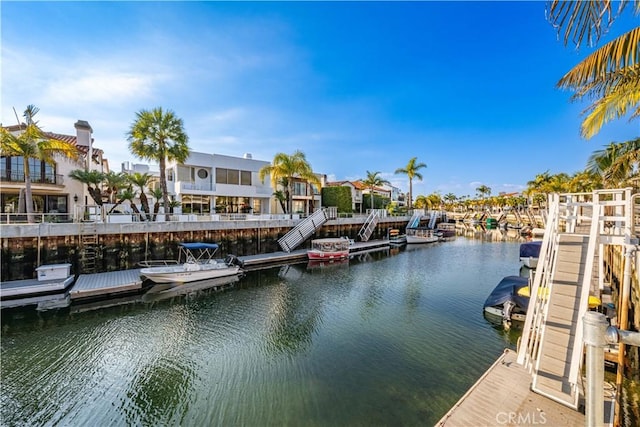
{"points": [[98, 284], [502, 396], [556, 347]]}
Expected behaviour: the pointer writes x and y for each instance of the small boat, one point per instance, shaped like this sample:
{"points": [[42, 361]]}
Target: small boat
{"points": [[530, 252], [506, 302], [446, 229], [331, 248], [195, 262], [397, 239], [421, 235]]}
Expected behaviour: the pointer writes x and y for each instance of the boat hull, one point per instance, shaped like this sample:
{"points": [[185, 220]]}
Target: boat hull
{"points": [[324, 255], [412, 240], [180, 274]]}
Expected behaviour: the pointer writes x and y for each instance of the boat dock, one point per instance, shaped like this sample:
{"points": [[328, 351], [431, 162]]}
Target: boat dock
{"points": [[503, 396], [116, 284], [544, 382]]}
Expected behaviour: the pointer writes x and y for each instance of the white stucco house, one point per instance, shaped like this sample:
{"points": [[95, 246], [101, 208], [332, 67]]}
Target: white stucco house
{"points": [[214, 184]]}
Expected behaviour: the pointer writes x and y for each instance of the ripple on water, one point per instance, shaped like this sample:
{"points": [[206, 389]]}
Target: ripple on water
{"points": [[382, 340]]}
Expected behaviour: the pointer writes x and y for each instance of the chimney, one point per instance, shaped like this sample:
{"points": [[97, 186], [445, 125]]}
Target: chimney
{"points": [[84, 139]]}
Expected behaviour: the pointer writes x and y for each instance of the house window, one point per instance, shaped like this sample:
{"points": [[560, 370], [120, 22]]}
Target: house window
{"points": [[203, 174], [221, 176], [233, 176], [245, 178]]}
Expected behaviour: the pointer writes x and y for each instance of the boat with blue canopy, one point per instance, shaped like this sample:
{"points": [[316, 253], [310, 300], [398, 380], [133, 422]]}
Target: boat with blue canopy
{"points": [[195, 262]]}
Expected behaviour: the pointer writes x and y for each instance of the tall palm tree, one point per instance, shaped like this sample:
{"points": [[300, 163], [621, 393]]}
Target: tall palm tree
{"points": [[33, 143], [93, 180], [372, 181], [411, 170], [483, 191], [159, 135], [610, 75], [141, 181], [287, 167]]}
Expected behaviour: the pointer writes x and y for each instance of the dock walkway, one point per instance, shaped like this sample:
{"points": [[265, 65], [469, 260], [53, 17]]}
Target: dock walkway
{"points": [[115, 284], [503, 396]]}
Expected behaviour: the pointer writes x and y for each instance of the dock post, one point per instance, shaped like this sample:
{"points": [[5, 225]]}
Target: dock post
{"points": [[594, 327]]}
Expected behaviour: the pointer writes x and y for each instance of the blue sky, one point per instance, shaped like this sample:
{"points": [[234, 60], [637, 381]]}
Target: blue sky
{"points": [[466, 87]]}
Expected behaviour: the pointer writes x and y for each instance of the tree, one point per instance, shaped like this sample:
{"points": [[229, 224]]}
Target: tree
{"points": [[483, 191], [610, 75], [617, 164], [129, 194], [411, 170], [113, 183], [372, 181], [141, 181], [34, 143], [159, 135], [93, 180], [286, 167]]}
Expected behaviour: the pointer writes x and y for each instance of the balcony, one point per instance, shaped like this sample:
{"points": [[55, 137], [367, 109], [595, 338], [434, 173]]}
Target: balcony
{"points": [[186, 186], [18, 177]]}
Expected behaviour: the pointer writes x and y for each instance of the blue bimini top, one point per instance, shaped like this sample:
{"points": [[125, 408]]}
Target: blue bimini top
{"points": [[196, 246]]}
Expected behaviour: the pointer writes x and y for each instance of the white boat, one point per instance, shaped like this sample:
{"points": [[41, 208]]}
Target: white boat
{"points": [[331, 248], [421, 235], [195, 262]]}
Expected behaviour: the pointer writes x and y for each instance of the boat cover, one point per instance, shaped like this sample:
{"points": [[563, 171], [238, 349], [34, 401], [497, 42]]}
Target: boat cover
{"points": [[530, 249], [197, 246], [507, 290]]}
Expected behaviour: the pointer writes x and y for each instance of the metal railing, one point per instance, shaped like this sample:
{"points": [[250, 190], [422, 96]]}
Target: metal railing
{"points": [[54, 179]]}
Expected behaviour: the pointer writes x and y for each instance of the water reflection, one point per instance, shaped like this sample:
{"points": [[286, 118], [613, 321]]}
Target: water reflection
{"points": [[390, 338]]}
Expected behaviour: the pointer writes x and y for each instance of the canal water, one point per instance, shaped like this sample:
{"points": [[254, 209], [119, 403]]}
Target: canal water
{"points": [[388, 338]]}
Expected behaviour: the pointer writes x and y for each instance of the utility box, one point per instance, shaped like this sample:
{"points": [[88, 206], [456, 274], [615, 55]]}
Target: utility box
{"points": [[53, 272]]}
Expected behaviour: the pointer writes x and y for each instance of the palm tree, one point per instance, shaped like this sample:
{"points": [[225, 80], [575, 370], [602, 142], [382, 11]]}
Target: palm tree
{"points": [[609, 76], [93, 180], [483, 191], [286, 167], [33, 143], [141, 181], [411, 170], [372, 181], [113, 183], [617, 163], [158, 135], [129, 194]]}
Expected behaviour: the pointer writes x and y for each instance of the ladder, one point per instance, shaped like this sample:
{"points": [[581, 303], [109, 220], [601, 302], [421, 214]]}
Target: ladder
{"points": [[369, 225], [89, 245], [302, 230]]}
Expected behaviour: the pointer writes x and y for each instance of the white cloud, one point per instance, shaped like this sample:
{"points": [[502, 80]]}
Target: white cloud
{"points": [[100, 87]]}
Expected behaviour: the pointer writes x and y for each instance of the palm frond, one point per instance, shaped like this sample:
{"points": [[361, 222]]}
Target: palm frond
{"points": [[618, 54], [621, 99], [582, 21]]}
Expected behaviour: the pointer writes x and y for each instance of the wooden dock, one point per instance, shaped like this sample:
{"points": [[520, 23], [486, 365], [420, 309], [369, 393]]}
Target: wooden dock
{"points": [[503, 396], [34, 292], [256, 262], [102, 284], [116, 284]]}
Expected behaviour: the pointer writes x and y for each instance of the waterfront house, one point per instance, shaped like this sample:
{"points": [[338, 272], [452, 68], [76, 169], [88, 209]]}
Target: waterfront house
{"points": [[53, 191], [216, 185], [305, 198]]}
